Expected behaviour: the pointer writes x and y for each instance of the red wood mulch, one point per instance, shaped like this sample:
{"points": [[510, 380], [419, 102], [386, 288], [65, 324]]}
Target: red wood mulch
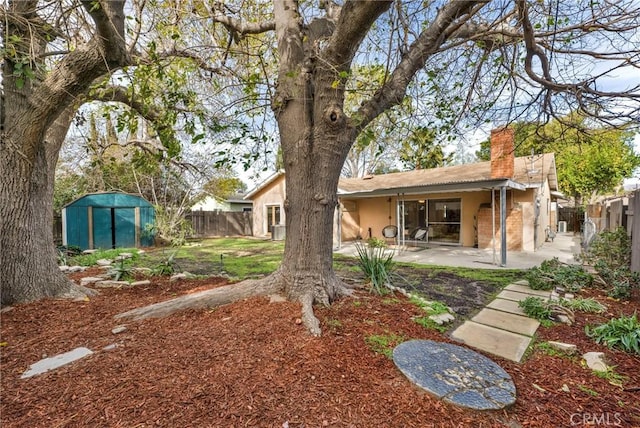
{"points": [[251, 364]]}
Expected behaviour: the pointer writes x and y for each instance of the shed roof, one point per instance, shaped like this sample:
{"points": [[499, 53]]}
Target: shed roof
{"points": [[110, 199]]}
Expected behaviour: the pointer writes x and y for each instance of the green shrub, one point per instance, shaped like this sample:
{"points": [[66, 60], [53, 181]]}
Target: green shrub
{"points": [[619, 333], [552, 273], [376, 242], [610, 255], [536, 308], [167, 266], [377, 265], [584, 305]]}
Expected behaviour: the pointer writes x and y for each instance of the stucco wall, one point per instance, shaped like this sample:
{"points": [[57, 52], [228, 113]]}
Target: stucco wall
{"points": [[270, 195], [376, 213]]}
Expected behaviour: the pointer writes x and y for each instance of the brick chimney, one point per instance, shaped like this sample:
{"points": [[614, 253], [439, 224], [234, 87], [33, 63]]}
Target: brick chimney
{"points": [[502, 153]]}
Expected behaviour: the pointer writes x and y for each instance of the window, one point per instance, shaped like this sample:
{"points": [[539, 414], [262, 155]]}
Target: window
{"points": [[273, 216]]}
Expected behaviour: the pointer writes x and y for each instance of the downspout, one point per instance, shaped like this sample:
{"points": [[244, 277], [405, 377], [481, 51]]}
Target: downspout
{"points": [[503, 226], [493, 225]]}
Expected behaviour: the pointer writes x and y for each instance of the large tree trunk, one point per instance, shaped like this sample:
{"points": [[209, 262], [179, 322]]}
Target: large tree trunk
{"points": [[36, 113], [28, 260]]}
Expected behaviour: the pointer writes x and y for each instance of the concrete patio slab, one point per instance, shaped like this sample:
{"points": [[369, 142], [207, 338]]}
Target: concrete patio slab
{"points": [[506, 321], [524, 288], [506, 306], [498, 342]]}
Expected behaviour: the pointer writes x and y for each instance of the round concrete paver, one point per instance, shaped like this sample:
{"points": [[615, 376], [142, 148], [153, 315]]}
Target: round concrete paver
{"points": [[455, 374]]}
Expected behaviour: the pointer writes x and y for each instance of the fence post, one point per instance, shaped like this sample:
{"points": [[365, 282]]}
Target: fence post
{"points": [[635, 233]]}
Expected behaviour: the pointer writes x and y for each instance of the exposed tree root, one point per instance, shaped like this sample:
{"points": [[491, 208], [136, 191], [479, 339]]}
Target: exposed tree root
{"points": [[319, 291], [204, 299]]}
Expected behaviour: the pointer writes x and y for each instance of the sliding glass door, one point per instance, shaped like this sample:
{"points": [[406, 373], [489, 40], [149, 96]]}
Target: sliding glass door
{"points": [[444, 217]]}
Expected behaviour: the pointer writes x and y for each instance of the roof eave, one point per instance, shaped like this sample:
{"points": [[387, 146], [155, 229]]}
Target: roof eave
{"points": [[436, 188]]}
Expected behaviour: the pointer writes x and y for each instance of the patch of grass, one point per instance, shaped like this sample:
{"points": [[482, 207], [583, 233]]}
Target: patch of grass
{"points": [[549, 350], [611, 376], [430, 308], [91, 259], [384, 343], [535, 308], [587, 390]]}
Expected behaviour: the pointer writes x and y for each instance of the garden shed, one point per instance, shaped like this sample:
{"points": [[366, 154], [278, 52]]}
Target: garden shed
{"points": [[108, 220]]}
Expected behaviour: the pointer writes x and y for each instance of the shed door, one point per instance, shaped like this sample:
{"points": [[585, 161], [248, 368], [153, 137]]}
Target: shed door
{"points": [[113, 227], [102, 228], [125, 225]]}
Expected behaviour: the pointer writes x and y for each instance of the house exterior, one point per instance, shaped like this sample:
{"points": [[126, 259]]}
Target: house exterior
{"points": [[466, 205], [108, 220], [234, 203]]}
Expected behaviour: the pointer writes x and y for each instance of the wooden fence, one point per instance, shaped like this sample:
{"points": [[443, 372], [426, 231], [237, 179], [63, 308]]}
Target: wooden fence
{"points": [[220, 223]]}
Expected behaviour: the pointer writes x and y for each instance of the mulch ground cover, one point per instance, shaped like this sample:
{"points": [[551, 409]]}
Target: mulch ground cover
{"points": [[252, 364]]}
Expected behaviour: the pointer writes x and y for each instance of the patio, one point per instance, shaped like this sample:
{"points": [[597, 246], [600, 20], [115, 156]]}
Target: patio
{"points": [[565, 246]]}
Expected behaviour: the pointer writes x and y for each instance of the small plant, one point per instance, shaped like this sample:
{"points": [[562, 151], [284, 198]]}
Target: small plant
{"points": [[431, 308], [587, 390], [619, 333], [377, 265], [384, 343], [611, 375], [374, 242], [121, 272], [550, 350], [536, 308], [167, 266], [584, 305]]}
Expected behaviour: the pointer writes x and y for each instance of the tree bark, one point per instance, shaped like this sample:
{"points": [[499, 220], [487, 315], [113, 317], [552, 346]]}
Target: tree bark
{"points": [[36, 115]]}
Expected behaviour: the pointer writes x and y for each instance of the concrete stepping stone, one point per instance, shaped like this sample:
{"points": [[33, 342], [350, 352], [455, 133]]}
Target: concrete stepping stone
{"points": [[506, 321], [502, 343], [455, 374], [56, 361], [520, 288], [504, 305], [515, 295]]}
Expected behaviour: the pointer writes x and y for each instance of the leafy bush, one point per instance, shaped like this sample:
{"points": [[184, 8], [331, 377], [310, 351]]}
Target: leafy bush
{"points": [[552, 273], [377, 264], [584, 305], [536, 308], [621, 333], [376, 242], [610, 255]]}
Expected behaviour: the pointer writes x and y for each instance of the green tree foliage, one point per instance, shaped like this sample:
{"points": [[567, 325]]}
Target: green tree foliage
{"points": [[590, 160], [421, 151]]}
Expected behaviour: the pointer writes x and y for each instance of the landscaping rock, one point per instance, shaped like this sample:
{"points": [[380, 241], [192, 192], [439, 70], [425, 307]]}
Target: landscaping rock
{"points": [[104, 262], [119, 329], [567, 348], [64, 268], [139, 283], [90, 280], [89, 251], [444, 318], [56, 361], [112, 284], [125, 255], [596, 361]]}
